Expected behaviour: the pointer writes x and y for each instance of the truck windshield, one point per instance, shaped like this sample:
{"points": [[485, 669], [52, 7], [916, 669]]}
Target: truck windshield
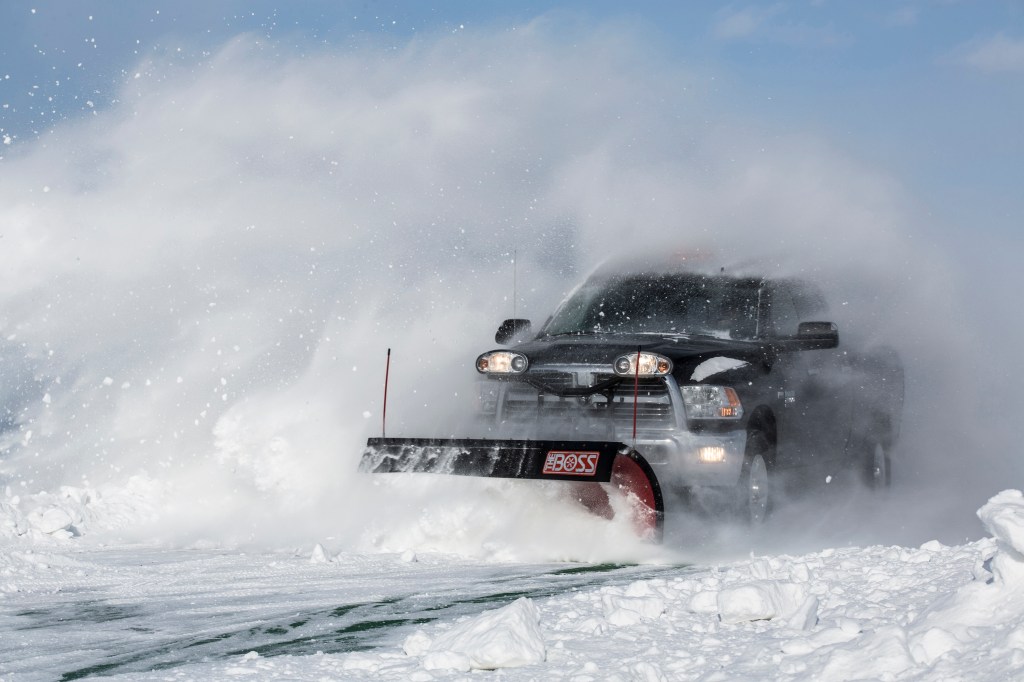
{"points": [[718, 306]]}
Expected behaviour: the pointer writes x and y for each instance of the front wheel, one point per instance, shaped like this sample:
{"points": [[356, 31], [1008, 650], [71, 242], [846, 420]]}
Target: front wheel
{"points": [[753, 493]]}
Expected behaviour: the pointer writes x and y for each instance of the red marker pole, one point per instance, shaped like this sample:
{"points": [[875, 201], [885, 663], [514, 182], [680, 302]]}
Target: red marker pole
{"points": [[636, 392], [384, 413]]}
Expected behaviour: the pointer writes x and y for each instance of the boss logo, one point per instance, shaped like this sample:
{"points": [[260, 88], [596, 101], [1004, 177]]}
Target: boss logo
{"points": [[571, 463]]}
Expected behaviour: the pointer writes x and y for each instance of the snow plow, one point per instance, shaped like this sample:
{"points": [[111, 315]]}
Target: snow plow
{"points": [[584, 465], [734, 388]]}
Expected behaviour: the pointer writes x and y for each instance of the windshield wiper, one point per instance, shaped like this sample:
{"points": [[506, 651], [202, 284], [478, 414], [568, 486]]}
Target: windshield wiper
{"points": [[719, 336], [573, 333]]}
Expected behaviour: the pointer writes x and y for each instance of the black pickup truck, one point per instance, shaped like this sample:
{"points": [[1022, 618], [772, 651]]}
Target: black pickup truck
{"points": [[717, 386]]}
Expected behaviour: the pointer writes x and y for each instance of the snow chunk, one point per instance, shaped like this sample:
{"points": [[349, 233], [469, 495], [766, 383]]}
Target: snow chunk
{"points": [[362, 662], [447, 660], [417, 644], [715, 365], [508, 637], [822, 638], [1003, 516], [705, 601], [933, 644], [319, 555], [766, 600], [880, 655], [631, 610], [51, 521], [646, 671]]}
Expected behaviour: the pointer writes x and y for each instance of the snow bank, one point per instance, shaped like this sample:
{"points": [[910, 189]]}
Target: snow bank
{"points": [[989, 609]]}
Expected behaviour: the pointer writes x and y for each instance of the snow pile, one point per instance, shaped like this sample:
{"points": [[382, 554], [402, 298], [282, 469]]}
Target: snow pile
{"points": [[988, 611], [508, 637], [72, 510]]}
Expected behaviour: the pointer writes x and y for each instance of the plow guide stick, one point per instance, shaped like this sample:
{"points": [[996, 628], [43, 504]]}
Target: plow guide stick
{"points": [[384, 412], [636, 392], [547, 460]]}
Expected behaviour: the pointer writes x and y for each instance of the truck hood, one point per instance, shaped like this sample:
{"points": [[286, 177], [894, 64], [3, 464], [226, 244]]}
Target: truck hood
{"points": [[602, 349]]}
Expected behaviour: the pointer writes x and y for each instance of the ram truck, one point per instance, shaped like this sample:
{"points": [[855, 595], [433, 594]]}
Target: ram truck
{"points": [[728, 392]]}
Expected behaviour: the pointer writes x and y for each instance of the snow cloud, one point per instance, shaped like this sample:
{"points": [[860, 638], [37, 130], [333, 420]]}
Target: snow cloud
{"points": [[237, 240]]}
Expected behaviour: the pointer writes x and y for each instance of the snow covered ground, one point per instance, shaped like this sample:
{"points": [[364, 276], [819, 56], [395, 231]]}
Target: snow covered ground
{"points": [[71, 609]]}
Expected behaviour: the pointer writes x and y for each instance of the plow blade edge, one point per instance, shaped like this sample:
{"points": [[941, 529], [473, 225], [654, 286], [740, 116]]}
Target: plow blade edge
{"points": [[547, 460]]}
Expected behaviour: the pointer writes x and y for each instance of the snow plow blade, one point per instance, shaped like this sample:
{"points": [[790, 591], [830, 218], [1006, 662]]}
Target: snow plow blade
{"points": [[546, 460]]}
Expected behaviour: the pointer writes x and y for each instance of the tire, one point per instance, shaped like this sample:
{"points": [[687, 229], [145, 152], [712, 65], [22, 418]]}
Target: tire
{"points": [[754, 491], [876, 466]]}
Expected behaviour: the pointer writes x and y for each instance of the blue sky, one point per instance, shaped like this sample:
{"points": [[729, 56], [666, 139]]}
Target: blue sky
{"points": [[929, 91]]}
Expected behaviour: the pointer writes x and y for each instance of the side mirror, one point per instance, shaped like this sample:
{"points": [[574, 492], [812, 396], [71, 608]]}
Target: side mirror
{"points": [[817, 335], [809, 336], [511, 330]]}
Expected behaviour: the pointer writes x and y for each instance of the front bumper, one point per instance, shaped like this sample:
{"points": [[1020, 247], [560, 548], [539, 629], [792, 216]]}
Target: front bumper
{"points": [[685, 459], [680, 457]]}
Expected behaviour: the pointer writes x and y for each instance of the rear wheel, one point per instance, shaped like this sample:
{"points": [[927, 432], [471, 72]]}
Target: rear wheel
{"points": [[877, 466], [753, 493]]}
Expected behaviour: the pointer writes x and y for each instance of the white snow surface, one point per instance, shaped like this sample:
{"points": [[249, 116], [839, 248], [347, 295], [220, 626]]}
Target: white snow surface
{"points": [[934, 612]]}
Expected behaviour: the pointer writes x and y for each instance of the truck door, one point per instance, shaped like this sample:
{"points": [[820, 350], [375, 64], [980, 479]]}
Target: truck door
{"points": [[814, 423]]}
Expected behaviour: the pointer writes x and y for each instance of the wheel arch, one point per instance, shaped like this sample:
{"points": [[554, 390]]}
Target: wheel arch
{"points": [[762, 420]]}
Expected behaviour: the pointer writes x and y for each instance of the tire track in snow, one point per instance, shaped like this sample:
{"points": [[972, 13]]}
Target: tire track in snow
{"points": [[184, 607]]}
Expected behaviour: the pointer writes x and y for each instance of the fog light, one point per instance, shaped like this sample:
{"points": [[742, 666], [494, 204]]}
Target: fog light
{"points": [[711, 454]]}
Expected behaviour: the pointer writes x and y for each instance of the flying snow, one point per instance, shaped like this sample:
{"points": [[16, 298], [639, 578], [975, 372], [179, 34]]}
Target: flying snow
{"points": [[220, 247]]}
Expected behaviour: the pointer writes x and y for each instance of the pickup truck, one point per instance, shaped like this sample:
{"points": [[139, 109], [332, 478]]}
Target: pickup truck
{"points": [[722, 388]]}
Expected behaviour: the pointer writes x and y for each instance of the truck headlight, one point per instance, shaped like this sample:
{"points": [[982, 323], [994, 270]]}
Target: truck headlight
{"points": [[651, 365], [502, 362], [711, 402]]}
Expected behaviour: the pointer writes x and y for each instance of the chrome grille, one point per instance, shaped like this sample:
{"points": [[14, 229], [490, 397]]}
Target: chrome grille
{"points": [[523, 402]]}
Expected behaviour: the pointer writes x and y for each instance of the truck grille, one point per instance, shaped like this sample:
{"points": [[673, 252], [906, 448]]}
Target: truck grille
{"points": [[523, 402]]}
